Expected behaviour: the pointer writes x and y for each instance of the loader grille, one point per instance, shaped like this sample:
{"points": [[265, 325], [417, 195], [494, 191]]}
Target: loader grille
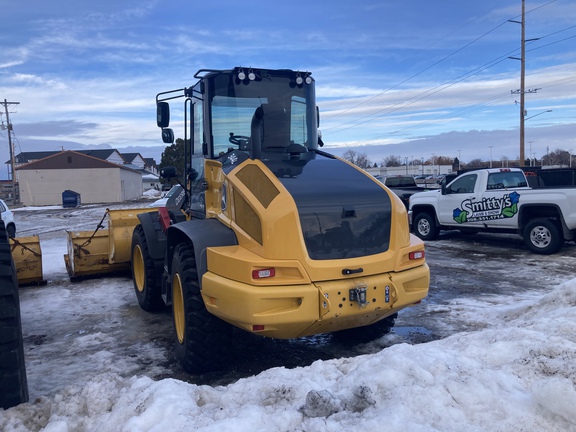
{"points": [[247, 218], [257, 182]]}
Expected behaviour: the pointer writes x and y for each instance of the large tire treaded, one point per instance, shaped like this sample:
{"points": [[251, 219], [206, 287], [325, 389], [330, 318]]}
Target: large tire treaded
{"points": [[150, 298], [13, 381], [208, 339]]}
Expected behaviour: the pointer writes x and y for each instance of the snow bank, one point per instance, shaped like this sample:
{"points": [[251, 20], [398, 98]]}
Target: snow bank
{"points": [[519, 374]]}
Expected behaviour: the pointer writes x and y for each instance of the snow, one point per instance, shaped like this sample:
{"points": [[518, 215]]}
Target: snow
{"points": [[517, 373]]}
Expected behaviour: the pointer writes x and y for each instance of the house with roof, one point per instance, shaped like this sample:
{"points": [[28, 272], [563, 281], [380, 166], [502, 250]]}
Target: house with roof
{"points": [[110, 155], [43, 181], [150, 180], [146, 166]]}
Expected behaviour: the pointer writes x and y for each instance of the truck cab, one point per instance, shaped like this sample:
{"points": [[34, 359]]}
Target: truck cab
{"points": [[483, 198]]}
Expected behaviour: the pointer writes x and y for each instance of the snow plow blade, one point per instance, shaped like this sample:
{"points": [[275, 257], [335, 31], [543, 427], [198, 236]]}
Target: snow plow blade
{"points": [[27, 256], [93, 253]]}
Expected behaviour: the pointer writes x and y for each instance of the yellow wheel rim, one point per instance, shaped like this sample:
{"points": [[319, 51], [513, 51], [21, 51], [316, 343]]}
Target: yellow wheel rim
{"points": [[178, 308], [138, 269]]}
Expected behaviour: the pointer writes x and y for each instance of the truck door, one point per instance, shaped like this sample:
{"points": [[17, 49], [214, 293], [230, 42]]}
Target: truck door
{"points": [[456, 205], [503, 194]]}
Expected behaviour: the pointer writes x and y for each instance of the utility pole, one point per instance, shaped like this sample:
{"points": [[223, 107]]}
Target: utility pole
{"points": [[522, 91], [12, 162], [522, 76]]}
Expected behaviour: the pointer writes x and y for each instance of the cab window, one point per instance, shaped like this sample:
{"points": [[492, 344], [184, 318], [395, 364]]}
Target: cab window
{"points": [[463, 184]]}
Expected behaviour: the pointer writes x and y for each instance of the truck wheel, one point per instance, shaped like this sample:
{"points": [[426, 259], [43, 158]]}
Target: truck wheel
{"points": [[149, 295], [542, 236], [13, 380], [202, 339], [425, 226]]}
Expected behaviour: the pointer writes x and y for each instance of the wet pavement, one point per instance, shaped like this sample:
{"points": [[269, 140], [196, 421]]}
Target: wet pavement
{"points": [[69, 327]]}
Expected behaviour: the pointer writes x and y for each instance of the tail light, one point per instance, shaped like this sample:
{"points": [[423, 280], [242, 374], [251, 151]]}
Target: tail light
{"points": [[263, 273], [416, 255]]}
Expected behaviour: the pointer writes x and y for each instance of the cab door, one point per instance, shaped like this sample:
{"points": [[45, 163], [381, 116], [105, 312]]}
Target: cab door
{"points": [[456, 205]]}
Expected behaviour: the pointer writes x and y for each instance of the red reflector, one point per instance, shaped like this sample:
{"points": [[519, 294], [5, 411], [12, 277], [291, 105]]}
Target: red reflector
{"points": [[164, 218], [257, 327], [416, 255], [263, 273]]}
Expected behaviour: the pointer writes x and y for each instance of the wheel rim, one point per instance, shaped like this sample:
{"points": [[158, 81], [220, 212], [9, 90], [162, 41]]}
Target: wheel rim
{"points": [[540, 237], [423, 227], [138, 269], [178, 308]]}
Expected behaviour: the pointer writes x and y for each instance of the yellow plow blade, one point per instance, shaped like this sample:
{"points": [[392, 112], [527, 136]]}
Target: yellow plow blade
{"points": [[27, 256], [97, 252]]}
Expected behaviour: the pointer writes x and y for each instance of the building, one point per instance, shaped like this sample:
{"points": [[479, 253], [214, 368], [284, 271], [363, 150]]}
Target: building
{"points": [[147, 167], [42, 181]]}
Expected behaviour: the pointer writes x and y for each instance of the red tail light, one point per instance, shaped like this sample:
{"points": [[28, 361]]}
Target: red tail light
{"points": [[416, 255], [263, 273]]}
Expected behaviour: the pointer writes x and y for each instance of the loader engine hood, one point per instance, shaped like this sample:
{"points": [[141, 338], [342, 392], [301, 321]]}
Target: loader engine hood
{"points": [[343, 213]]}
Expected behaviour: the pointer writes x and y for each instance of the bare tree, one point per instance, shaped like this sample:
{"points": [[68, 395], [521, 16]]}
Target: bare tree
{"points": [[359, 159], [442, 160], [392, 161], [476, 163], [556, 157]]}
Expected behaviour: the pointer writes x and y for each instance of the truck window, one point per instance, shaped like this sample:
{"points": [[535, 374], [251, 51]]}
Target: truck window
{"points": [[464, 184], [505, 180]]}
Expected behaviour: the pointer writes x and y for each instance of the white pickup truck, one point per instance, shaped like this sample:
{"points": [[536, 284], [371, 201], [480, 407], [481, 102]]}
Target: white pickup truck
{"points": [[497, 200]]}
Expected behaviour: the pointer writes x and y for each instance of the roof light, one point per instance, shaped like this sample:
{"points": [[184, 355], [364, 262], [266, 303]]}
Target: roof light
{"points": [[263, 273], [241, 75], [416, 255]]}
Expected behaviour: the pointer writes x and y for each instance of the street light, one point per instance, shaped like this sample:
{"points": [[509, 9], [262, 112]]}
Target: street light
{"points": [[528, 118], [491, 156]]}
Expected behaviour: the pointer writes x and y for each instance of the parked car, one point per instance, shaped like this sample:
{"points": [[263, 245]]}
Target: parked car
{"points": [[8, 219], [402, 185]]}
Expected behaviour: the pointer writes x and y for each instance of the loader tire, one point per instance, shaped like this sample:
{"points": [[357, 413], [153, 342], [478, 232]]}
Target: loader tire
{"points": [[203, 340], [13, 380], [147, 291]]}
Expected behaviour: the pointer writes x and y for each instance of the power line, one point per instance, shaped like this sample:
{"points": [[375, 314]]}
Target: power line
{"points": [[434, 90]]}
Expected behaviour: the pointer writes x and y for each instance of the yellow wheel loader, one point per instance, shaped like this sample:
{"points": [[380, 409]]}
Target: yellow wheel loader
{"points": [[270, 234]]}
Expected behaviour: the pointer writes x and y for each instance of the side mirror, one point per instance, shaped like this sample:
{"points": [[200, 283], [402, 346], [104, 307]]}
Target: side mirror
{"points": [[168, 172], [193, 175], [163, 114], [445, 190], [317, 117], [167, 136]]}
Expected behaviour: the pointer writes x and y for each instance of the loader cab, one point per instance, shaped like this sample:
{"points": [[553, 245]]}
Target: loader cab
{"points": [[242, 113]]}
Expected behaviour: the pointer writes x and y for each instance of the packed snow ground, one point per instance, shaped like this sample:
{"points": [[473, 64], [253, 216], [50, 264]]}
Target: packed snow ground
{"points": [[517, 373], [517, 376]]}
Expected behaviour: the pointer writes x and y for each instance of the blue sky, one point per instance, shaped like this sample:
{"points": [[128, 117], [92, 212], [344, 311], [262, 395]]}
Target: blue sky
{"points": [[413, 79]]}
